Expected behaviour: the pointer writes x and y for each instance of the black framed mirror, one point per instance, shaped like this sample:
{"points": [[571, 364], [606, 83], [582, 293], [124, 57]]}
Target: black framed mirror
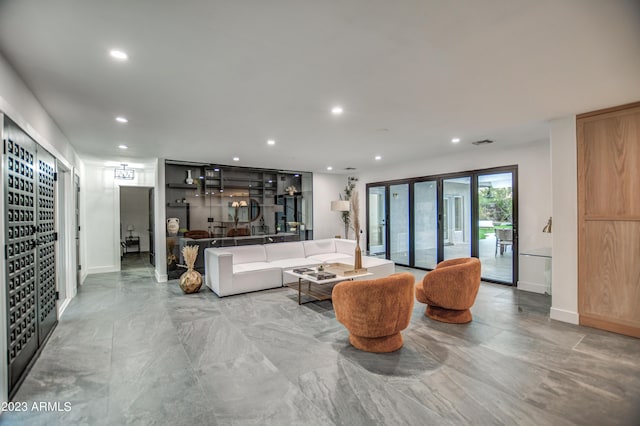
{"points": [[254, 210]]}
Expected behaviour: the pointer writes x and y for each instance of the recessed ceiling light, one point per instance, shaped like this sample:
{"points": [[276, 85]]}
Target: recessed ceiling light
{"points": [[271, 142], [236, 158], [122, 120], [123, 146], [455, 140], [378, 157], [337, 110], [118, 54], [329, 168]]}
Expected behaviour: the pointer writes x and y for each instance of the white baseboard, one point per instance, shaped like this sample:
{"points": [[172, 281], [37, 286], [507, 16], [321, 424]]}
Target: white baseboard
{"points": [[102, 269], [564, 316], [161, 278], [531, 286], [63, 306]]}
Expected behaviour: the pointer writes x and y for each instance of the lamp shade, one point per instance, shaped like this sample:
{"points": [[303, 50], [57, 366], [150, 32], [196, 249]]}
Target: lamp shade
{"points": [[340, 206], [130, 228]]}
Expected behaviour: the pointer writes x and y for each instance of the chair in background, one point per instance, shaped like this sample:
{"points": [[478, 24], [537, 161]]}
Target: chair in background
{"points": [[450, 290], [504, 239], [238, 232], [197, 234], [375, 311]]}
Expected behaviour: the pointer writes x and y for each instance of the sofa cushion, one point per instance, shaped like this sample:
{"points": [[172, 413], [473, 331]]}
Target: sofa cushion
{"points": [[313, 247], [251, 266], [332, 257], [279, 251], [247, 254], [345, 246], [293, 263]]}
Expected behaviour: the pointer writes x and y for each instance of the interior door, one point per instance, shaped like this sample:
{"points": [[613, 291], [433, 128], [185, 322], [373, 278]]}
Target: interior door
{"points": [[21, 268], [76, 185], [45, 241], [152, 256], [30, 235]]}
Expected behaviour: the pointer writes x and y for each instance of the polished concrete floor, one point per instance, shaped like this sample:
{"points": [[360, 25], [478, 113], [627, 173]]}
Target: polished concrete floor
{"points": [[129, 350]]}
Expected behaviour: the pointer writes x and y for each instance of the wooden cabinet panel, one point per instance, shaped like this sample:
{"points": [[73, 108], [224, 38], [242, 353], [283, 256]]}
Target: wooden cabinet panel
{"points": [[611, 165], [612, 259], [609, 219]]}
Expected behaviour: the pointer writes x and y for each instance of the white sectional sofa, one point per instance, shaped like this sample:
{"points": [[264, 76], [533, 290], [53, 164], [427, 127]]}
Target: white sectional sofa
{"points": [[235, 270]]}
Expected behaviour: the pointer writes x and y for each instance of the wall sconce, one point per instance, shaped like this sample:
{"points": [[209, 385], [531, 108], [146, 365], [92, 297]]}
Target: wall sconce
{"points": [[124, 173], [547, 227]]}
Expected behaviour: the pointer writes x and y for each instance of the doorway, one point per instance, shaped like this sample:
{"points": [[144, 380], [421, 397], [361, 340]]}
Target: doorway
{"points": [[65, 221], [76, 191], [136, 227], [420, 222]]}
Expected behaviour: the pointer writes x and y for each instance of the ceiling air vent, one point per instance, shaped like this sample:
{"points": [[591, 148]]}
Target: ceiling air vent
{"points": [[482, 142], [349, 168]]}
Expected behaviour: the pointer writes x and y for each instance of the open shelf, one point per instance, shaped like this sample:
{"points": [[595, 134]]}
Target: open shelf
{"points": [[182, 185]]}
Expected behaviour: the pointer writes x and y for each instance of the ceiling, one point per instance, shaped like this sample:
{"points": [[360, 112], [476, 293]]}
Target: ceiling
{"points": [[210, 80]]}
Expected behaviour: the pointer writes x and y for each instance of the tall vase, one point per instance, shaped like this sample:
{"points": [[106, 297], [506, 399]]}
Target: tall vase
{"points": [[189, 179], [357, 258]]}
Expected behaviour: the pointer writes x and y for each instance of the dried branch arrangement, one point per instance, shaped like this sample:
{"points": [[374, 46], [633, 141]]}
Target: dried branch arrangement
{"points": [[355, 213], [190, 253]]}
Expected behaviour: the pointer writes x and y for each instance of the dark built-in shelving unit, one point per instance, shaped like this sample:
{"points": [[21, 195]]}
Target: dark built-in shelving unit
{"points": [[266, 209]]}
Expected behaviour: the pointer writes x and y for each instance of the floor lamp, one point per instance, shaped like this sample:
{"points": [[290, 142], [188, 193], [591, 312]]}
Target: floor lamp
{"points": [[342, 206]]}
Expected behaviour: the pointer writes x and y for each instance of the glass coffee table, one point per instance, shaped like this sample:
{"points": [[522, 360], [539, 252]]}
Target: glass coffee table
{"points": [[316, 282]]}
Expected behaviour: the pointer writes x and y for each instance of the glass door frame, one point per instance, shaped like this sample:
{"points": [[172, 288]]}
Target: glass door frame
{"points": [[473, 174]]}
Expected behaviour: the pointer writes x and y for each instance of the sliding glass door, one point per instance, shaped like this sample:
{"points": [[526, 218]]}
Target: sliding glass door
{"points": [[425, 213], [377, 220], [423, 221], [456, 217], [495, 225], [399, 223]]}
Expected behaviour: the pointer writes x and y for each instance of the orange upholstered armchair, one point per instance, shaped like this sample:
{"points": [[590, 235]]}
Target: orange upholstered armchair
{"points": [[375, 311], [450, 290]]}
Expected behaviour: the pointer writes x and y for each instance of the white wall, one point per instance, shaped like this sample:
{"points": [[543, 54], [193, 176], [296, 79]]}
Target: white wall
{"points": [[564, 169], [327, 188], [134, 210], [101, 201], [18, 103], [534, 181]]}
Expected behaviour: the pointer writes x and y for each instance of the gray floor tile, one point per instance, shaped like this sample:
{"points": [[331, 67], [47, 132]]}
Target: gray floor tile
{"points": [[129, 350]]}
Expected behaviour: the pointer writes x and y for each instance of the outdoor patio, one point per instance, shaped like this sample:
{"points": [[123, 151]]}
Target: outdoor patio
{"points": [[496, 267]]}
